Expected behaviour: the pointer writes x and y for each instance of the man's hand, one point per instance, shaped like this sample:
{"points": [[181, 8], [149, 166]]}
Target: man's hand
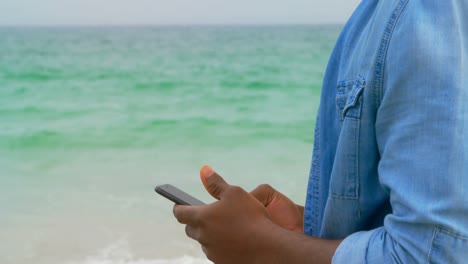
{"points": [[231, 230], [250, 228], [281, 209]]}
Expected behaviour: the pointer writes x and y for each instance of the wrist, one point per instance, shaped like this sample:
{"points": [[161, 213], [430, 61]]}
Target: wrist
{"points": [[270, 247]]}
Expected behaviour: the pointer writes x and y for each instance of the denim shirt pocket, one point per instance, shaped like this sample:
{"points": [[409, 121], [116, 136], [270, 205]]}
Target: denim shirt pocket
{"points": [[344, 182]]}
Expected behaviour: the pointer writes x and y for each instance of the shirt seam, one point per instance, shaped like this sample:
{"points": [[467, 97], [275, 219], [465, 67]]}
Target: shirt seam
{"points": [[343, 197], [358, 131], [316, 207], [314, 197], [440, 230], [452, 234], [431, 248], [383, 50]]}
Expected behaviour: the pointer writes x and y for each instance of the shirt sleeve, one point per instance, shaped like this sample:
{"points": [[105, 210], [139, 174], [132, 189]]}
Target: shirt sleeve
{"points": [[422, 136]]}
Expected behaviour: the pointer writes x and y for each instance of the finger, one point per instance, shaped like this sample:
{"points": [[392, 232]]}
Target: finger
{"points": [[214, 184], [191, 232], [264, 193], [185, 214], [207, 253]]}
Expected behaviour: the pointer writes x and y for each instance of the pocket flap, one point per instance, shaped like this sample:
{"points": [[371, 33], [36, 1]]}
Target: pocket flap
{"points": [[348, 97], [353, 98]]}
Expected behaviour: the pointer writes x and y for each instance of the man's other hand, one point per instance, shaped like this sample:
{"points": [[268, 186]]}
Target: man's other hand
{"points": [[280, 208]]}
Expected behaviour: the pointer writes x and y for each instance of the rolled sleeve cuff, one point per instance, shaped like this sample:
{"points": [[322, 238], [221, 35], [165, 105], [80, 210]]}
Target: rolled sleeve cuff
{"points": [[353, 249]]}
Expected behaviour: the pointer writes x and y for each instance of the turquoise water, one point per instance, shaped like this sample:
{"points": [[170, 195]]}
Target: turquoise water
{"points": [[91, 119]]}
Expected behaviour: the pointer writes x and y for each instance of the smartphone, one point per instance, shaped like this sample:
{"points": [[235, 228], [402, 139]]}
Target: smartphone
{"points": [[176, 195]]}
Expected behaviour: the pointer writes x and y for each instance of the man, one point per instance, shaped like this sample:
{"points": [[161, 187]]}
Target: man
{"points": [[390, 164]]}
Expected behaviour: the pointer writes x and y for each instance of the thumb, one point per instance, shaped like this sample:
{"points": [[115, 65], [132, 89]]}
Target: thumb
{"points": [[214, 184], [265, 194]]}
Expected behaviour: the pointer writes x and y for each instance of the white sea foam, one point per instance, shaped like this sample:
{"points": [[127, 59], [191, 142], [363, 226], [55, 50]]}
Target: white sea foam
{"points": [[119, 253], [181, 260]]}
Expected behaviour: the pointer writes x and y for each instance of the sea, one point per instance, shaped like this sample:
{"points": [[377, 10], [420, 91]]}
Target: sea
{"points": [[93, 118]]}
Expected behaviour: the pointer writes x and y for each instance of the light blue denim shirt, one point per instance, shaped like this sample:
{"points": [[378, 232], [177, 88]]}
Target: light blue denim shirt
{"points": [[390, 164]]}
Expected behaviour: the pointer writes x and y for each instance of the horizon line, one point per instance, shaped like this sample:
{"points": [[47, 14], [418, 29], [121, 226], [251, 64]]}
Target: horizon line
{"points": [[175, 24]]}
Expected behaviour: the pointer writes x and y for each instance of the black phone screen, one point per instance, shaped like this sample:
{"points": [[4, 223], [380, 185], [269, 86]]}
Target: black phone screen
{"points": [[177, 196]]}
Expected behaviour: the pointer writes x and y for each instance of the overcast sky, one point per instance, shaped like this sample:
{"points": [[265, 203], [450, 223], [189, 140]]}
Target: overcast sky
{"points": [[99, 12]]}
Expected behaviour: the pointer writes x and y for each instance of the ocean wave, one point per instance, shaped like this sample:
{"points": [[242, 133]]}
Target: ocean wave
{"points": [[119, 252], [158, 86], [181, 260]]}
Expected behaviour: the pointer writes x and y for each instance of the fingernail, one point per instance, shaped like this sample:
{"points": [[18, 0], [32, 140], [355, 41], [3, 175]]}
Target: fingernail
{"points": [[206, 171]]}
